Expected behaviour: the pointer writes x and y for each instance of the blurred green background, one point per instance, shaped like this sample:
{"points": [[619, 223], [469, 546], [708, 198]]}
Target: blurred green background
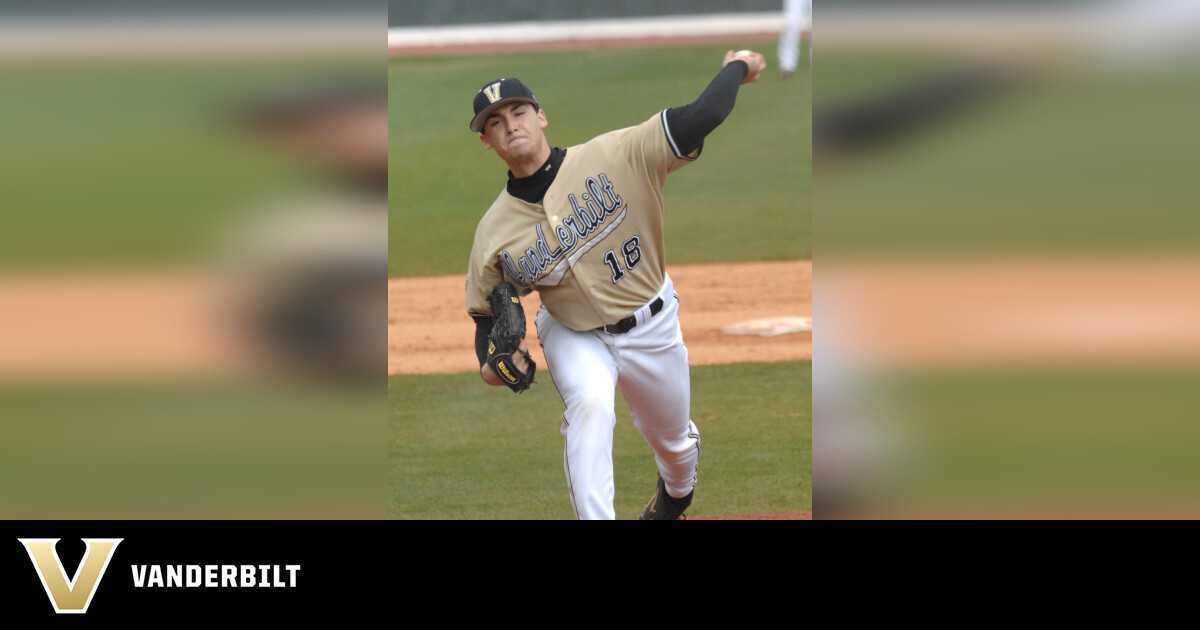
{"points": [[194, 448], [1078, 156], [128, 166], [136, 163], [1056, 158]]}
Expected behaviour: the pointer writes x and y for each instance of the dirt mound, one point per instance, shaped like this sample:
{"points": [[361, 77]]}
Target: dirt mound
{"points": [[429, 331]]}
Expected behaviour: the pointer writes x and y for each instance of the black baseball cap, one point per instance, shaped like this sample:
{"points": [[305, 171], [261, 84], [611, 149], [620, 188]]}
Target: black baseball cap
{"points": [[498, 92]]}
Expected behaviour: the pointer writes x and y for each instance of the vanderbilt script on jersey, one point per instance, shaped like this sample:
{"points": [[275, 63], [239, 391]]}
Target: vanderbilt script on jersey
{"points": [[594, 247], [583, 222]]}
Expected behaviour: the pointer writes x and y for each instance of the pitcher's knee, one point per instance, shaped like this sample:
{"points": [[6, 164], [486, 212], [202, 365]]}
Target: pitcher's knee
{"points": [[588, 408]]}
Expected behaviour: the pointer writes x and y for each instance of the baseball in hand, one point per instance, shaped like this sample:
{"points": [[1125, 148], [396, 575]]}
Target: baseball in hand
{"points": [[754, 61]]}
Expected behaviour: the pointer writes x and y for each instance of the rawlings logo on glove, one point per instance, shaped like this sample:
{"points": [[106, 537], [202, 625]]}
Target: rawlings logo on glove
{"points": [[504, 341]]}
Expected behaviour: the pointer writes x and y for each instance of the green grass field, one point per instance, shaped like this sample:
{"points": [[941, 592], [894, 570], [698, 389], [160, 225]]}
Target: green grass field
{"points": [[461, 450], [747, 198]]}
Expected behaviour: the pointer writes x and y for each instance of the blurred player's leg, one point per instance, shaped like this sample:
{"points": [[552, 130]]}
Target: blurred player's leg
{"points": [[789, 37], [808, 14]]}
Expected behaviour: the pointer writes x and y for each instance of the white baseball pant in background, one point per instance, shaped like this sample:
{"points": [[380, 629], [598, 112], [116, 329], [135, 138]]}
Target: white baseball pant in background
{"points": [[650, 365], [795, 14]]}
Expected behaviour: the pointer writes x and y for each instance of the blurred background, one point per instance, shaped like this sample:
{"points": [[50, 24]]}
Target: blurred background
{"points": [[191, 296], [1009, 261], [1009, 258], [409, 13]]}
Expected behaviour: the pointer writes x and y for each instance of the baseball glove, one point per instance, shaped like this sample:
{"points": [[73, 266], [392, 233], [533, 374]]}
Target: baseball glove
{"points": [[507, 332]]}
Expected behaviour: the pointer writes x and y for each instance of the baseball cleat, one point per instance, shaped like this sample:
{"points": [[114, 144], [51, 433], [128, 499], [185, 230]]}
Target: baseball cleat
{"points": [[664, 507]]}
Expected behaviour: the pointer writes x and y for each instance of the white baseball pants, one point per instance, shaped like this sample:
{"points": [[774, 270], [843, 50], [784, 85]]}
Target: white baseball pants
{"points": [[650, 365]]}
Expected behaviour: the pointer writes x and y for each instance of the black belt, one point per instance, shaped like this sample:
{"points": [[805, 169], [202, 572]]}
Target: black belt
{"points": [[627, 324]]}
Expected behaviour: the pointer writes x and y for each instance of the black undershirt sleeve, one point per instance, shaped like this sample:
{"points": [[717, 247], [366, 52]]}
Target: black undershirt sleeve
{"points": [[692, 122], [483, 328]]}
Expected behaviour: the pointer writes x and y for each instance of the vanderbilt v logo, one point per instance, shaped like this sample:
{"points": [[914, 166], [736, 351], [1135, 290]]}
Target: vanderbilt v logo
{"points": [[72, 596], [492, 92]]}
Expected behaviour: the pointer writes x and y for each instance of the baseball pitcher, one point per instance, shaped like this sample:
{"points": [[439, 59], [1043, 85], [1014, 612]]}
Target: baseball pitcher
{"points": [[583, 225]]}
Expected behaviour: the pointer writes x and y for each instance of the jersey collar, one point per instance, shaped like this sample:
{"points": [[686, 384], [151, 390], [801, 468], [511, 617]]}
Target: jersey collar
{"points": [[533, 188]]}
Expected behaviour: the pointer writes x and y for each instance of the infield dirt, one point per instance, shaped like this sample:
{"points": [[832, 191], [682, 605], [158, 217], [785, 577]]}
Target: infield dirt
{"points": [[429, 331]]}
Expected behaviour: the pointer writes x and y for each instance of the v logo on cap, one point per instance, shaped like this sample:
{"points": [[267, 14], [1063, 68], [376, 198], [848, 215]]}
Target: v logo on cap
{"points": [[492, 92]]}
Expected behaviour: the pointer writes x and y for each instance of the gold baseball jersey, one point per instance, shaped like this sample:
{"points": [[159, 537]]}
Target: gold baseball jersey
{"points": [[594, 247]]}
